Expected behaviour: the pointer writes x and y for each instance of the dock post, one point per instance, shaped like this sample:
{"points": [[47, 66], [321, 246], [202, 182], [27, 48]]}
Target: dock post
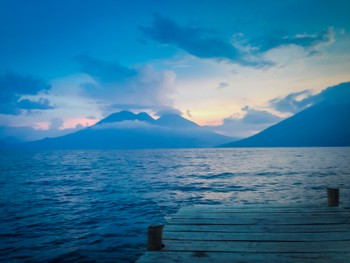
{"points": [[155, 236], [333, 196]]}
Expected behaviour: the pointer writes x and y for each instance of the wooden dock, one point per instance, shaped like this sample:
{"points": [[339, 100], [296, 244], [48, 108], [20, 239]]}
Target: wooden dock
{"points": [[255, 234]]}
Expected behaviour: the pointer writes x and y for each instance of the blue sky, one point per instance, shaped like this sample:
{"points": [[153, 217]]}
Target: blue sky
{"points": [[67, 64]]}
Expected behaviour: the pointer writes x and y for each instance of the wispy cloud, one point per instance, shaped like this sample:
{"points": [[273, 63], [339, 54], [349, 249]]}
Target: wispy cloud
{"points": [[311, 42], [116, 86], [26, 133]]}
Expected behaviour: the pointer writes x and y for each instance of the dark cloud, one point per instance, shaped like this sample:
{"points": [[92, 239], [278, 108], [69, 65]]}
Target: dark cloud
{"points": [[253, 116], [14, 86], [167, 111], [202, 43], [281, 38], [129, 107], [104, 71], [189, 114], [223, 85], [295, 102], [41, 104], [253, 121], [157, 110], [56, 124]]}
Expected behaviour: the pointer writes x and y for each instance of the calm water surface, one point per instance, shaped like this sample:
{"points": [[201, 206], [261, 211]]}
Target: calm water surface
{"points": [[95, 206]]}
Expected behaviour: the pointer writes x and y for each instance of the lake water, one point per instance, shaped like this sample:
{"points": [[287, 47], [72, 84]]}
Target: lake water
{"points": [[95, 206]]}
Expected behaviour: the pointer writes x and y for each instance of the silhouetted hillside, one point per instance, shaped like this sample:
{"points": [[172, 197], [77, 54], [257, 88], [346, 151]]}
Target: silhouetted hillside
{"points": [[324, 124], [175, 121]]}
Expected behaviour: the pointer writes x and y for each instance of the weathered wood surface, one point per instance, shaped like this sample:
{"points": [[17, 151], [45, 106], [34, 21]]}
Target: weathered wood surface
{"points": [[224, 257], [255, 234]]}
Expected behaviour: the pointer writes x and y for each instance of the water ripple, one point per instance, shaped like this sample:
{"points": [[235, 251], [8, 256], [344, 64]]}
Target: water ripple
{"points": [[95, 206]]}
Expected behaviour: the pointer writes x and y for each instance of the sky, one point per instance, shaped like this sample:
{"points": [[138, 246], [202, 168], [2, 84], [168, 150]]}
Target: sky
{"points": [[235, 67]]}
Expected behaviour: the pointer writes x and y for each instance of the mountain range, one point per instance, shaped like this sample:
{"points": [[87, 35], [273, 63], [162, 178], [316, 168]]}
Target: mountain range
{"points": [[126, 130], [326, 123]]}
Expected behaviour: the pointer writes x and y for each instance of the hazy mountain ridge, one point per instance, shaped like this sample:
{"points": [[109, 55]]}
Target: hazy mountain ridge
{"points": [[126, 130]]}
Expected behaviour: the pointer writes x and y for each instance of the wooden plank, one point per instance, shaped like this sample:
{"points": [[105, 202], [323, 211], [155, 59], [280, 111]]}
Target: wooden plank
{"points": [[265, 247], [258, 215], [266, 221], [264, 210], [222, 257], [253, 206], [212, 236], [268, 210], [327, 228], [257, 207], [264, 206], [256, 234]]}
